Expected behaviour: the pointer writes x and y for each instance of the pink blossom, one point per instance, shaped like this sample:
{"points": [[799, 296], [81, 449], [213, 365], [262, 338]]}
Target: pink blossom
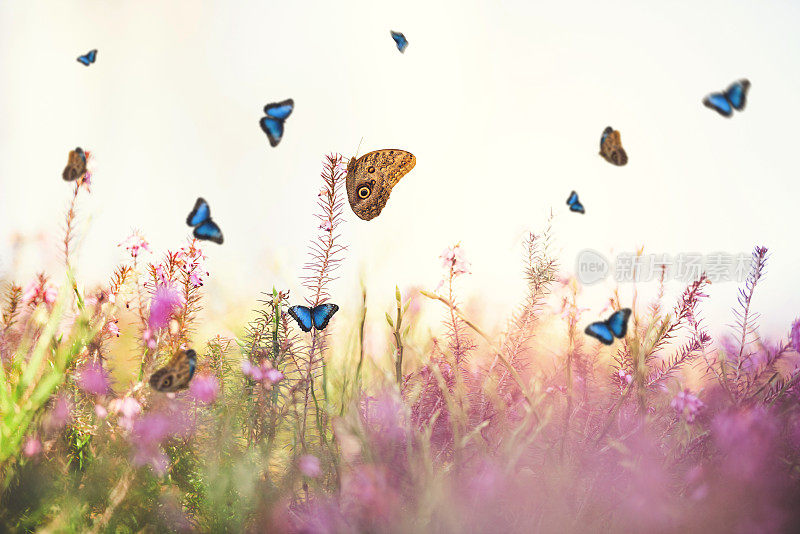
{"points": [[309, 465], [262, 373], [93, 379], [326, 225], [794, 335], [100, 411], [204, 388], [686, 405], [273, 376], [127, 409], [60, 414], [252, 371], [192, 260], [625, 378], [32, 447], [40, 290], [134, 244], [454, 260], [166, 300], [161, 275], [112, 327]]}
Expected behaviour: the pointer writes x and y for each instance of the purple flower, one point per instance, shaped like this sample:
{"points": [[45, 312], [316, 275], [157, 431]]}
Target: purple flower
{"points": [[165, 301], [273, 376], [128, 410], [134, 244], [687, 405], [794, 335], [309, 465], [32, 447], [60, 414], [204, 388], [453, 259], [147, 435], [93, 379], [252, 371], [265, 372]]}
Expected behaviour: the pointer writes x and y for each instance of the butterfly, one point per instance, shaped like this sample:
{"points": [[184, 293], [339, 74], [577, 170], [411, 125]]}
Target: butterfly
{"points": [[176, 374], [611, 147], [575, 204], [76, 165], [88, 59], [204, 227], [272, 124], [400, 40], [614, 326], [734, 97], [318, 316], [371, 177]]}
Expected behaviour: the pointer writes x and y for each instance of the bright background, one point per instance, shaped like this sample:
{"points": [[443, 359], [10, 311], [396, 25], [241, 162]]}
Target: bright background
{"points": [[502, 103]]}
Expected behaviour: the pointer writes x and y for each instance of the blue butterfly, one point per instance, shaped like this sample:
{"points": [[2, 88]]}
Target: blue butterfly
{"points": [[88, 59], [734, 97], [614, 326], [400, 39], [575, 204], [272, 124], [318, 316], [204, 227]]}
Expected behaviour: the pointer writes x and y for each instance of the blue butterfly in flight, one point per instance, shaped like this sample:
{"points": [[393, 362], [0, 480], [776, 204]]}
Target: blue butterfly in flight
{"points": [[272, 124], [575, 204], [318, 316], [734, 97], [400, 39], [614, 326], [88, 59], [204, 227]]}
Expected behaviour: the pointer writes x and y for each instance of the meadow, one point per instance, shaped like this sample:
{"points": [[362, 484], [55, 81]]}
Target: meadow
{"points": [[666, 430]]}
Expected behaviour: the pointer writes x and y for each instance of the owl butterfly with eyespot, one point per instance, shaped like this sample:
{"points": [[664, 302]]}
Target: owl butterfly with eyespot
{"points": [[176, 375], [371, 177], [76, 165], [611, 147]]}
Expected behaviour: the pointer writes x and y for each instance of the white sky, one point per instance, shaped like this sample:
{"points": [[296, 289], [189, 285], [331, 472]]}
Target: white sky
{"points": [[502, 103]]}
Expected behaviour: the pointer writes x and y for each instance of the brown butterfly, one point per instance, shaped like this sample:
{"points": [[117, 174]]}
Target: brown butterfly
{"points": [[76, 165], [611, 147], [176, 374], [371, 177]]}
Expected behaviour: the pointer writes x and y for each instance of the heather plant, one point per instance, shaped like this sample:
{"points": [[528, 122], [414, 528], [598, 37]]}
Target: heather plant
{"points": [[537, 428]]}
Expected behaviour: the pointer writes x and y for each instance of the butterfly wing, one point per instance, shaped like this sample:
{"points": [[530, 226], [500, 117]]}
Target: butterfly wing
{"points": [[611, 147], [718, 103], [575, 204], [736, 94], [88, 59], [208, 231], [601, 331], [371, 177], [302, 314], [322, 314], [400, 40], [200, 213], [273, 128], [76, 165], [618, 322], [279, 110], [176, 374]]}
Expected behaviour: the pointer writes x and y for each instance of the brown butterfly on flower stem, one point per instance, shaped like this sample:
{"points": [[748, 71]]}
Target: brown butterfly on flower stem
{"points": [[371, 177], [176, 374], [76, 165], [611, 147]]}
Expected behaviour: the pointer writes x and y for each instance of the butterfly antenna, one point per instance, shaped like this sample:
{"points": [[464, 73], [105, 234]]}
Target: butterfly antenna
{"points": [[359, 145]]}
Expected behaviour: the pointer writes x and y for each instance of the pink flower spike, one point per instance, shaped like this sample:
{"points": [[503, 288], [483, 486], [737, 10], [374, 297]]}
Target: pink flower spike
{"points": [[93, 379], [112, 327], [32, 447], [100, 411], [252, 371], [204, 388], [794, 335], [166, 300], [273, 376], [326, 226], [135, 244], [309, 465]]}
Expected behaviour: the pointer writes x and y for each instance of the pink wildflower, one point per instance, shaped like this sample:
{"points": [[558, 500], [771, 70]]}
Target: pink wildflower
{"points": [[794, 335], [166, 300], [326, 225], [252, 371], [273, 376], [93, 379], [40, 291], [625, 378], [128, 410], [204, 388], [32, 447], [454, 260], [192, 260], [100, 411], [309, 465], [161, 275], [112, 328], [687, 405], [60, 414], [134, 244]]}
